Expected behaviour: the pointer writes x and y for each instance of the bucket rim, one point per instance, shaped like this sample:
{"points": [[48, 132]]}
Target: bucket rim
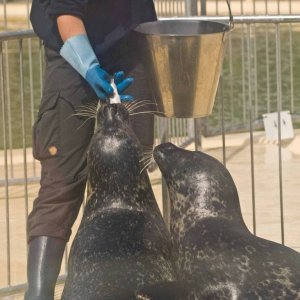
{"points": [[226, 28]]}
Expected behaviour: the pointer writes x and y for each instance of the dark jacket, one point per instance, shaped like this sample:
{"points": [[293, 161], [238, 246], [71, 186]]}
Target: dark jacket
{"points": [[106, 21]]}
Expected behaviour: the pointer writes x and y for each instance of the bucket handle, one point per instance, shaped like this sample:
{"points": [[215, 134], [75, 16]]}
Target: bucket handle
{"points": [[231, 25]]}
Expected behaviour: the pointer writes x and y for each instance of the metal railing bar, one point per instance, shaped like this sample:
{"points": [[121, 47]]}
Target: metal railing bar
{"points": [[242, 7], [231, 81], [16, 35], [251, 125], [5, 13], [245, 19], [291, 60], [4, 122], [268, 70], [178, 133], [25, 180], [223, 121], [255, 73], [28, 12], [279, 108], [19, 181], [31, 89], [291, 68], [243, 73], [10, 138], [41, 59]]}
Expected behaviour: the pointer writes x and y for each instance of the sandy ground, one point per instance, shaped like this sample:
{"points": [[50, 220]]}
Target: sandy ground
{"points": [[238, 162]]}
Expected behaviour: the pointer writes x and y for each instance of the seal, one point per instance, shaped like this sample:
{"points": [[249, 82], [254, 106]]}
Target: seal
{"points": [[217, 253], [122, 243]]}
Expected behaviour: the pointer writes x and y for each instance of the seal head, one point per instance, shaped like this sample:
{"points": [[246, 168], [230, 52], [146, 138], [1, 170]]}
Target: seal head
{"points": [[216, 252]]}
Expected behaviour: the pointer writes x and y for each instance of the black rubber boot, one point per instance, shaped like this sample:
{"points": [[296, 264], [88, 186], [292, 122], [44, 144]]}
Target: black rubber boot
{"points": [[43, 266]]}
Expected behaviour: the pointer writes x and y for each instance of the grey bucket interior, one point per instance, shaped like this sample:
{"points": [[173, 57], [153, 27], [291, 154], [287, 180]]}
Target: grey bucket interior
{"points": [[182, 27]]}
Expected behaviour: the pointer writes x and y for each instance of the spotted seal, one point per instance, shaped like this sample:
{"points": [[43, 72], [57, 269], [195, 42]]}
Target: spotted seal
{"points": [[122, 243], [217, 252]]}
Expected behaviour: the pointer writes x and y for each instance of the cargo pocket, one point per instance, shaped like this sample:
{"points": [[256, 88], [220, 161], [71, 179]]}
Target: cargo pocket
{"points": [[46, 140]]}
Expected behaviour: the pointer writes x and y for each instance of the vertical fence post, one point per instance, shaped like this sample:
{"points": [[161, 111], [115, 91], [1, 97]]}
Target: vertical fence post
{"points": [[279, 109], [191, 8], [4, 125], [164, 128], [250, 99], [203, 8]]}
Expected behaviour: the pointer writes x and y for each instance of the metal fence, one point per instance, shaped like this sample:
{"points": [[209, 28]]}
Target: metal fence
{"points": [[218, 7], [260, 75], [15, 14]]}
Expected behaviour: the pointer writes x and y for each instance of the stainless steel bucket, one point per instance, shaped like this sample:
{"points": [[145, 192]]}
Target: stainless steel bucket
{"points": [[184, 58]]}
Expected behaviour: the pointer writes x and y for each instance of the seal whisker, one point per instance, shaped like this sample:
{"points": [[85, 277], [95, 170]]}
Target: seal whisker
{"points": [[85, 122], [129, 104], [147, 153], [146, 160], [136, 101], [83, 114], [138, 104], [89, 110], [146, 157], [147, 164], [90, 106], [144, 112], [143, 159], [147, 149]]}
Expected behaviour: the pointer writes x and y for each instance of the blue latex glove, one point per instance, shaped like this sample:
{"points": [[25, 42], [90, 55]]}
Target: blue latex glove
{"points": [[77, 51], [122, 84]]}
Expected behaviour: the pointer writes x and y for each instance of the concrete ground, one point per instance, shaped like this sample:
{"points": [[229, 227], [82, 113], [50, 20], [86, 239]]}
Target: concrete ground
{"points": [[238, 162]]}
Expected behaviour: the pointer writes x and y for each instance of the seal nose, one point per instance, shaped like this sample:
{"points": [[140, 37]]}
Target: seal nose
{"points": [[110, 111], [162, 151]]}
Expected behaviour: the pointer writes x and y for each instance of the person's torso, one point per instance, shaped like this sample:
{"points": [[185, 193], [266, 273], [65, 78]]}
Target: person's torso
{"points": [[106, 21]]}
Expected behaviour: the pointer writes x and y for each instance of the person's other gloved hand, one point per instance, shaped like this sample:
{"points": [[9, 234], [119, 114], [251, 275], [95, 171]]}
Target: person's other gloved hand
{"points": [[77, 51], [122, 84]]}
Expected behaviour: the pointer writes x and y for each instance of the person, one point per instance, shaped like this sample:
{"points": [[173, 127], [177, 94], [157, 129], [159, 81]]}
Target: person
{"points": [[87, 42]]}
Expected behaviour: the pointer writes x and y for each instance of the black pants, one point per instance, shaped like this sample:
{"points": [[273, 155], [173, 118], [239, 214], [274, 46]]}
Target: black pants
{"points": [[60, 141]]}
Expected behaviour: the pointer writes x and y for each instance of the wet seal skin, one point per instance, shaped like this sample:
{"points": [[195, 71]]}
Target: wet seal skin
{"points": [[122, 243], [218, 255]]}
